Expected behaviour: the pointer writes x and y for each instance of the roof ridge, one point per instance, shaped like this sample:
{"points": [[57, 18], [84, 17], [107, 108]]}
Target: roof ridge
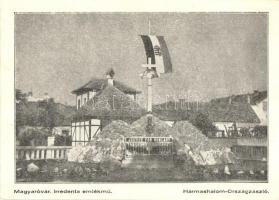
{"points": [[94, 83], [130, 107]]}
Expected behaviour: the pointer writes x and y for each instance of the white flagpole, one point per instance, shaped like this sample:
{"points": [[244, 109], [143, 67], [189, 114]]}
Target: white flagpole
{"points": [[149, 88], [149, 28], [149, 75]]}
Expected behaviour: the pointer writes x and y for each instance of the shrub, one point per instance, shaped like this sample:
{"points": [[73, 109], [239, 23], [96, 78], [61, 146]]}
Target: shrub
{"points": [[202, 122], [33, 137], [63, 140]]}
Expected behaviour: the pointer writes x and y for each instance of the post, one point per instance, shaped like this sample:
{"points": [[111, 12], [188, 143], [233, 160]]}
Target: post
{"points": [[50, 140], [149, 127], [149, 27], [149, 93]]}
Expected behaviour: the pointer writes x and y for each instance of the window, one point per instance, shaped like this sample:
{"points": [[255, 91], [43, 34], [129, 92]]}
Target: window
{"points": [[85, 100], [78, 106], [65, 132]]}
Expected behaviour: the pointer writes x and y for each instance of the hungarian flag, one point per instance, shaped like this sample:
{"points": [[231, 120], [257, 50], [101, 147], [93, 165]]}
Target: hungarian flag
{"points": [[156, 49]]}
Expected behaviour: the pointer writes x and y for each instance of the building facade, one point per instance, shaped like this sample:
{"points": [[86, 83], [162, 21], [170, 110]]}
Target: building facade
{"points": [[99, 102], [239, 112]]}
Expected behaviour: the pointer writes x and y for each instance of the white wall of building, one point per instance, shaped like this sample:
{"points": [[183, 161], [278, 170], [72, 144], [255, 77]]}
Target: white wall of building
{"points": [[225, 126], [132, 96], [81, 131], [59, 130], [261, 110], [83, 98]]}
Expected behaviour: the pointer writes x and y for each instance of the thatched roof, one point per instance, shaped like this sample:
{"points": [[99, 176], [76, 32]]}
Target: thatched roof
{"points": [[254, 98], [111, 103], [231, 112], [99, 84], [177, 110]]}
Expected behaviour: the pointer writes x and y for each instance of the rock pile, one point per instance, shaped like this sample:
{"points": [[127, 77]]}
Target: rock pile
{"points": [[203, 151], [107, 148], [160, 127]]}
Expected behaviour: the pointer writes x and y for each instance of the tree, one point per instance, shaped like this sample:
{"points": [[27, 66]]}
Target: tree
{"points": [[20, 109], [63, 140], [21, 97], [49, 115], [202, 122], [33, 136]]}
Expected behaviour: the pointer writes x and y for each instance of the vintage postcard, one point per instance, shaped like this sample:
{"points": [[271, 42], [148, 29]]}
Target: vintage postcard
{"points": [[104, 100]]}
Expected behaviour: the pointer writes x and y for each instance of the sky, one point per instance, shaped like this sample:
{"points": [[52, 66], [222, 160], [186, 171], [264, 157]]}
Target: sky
{"points": [[213, 54]]}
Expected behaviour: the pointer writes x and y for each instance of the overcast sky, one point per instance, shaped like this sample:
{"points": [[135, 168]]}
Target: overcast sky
{"points": [[213, 54]]}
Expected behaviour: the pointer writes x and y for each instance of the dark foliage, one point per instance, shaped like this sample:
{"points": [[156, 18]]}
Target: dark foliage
{"points": [[63, 140], [44, 113], [20, 96], [202, 122], [260, 131], [33, 137]]}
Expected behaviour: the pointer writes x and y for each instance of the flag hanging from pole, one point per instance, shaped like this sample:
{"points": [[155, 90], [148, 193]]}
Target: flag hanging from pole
{"points": [[156, 49]]}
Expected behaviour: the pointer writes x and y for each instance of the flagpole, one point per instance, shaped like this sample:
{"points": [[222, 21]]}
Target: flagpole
{"points": [[149, 88], [149, 28], [155, 49], [149, 75]]}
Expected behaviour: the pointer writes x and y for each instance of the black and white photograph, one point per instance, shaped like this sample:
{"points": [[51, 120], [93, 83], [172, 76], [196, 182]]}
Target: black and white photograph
{"points": [[141, 97]]}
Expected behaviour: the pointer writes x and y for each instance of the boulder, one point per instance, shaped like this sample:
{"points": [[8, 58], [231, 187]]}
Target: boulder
{"points": [[110, 164], [215, 171], [241, 172], [78, 171], [32, 168], [87, 170], [19, 172], [227, 170], [56, 170], [210, 157], [75, 153]]}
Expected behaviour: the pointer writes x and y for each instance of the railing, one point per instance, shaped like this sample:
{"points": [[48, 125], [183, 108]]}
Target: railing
{"points": [[42, 152], [252, 141], [216, 134], [148, 145], [256, 153]]}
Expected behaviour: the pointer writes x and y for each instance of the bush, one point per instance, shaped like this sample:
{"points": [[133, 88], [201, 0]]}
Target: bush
{"points": [[63, 140], [33, 137], [202, 122], [244, 131]]}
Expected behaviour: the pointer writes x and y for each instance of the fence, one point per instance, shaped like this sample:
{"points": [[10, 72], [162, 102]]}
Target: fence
{"points": [[252, 141], [42, 152], [250, 152], [148, 145]]}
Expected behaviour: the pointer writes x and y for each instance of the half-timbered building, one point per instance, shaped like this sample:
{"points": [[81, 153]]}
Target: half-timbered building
{"points": [[99, 102]]}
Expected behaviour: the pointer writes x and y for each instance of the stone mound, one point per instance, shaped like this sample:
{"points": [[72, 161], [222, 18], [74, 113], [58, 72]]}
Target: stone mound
{"points": [[192, 142], [107, 148], [160, 127], [115, 129]]}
